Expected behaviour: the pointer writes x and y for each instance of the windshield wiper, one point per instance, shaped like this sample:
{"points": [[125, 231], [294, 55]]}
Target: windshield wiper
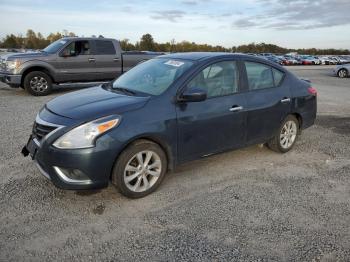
{"points": [[124, 90], [107, 85]]}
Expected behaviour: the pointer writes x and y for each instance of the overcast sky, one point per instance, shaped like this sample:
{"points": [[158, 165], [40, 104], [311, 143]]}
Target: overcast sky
{"points": [[293, 24]]}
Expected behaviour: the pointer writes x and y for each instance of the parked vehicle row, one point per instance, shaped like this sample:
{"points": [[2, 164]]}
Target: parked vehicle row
{"points": [[295, 59], [342, 69]]}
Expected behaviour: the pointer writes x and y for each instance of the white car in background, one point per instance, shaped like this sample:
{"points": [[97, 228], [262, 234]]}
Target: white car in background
{"points": [[291, 59], [317, 60], [311, 59], [336, 60], [325, 60]]}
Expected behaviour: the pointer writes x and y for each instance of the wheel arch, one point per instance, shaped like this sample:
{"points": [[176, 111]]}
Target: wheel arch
{"points": [[343, 68], [299, 118], [35, 68], [154, 139]]}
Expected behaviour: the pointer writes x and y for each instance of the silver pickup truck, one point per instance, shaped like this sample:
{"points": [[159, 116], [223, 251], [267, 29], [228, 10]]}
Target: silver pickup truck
{"points": [[70, 59]]}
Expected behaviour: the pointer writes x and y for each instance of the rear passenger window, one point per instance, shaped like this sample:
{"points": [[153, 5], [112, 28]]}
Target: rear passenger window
{"points": [[104, 48], [277, 76], [259, 76]]}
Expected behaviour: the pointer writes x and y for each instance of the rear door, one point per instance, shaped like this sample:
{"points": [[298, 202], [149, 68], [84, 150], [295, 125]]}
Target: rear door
{"points": [[218, 123], [75, 62], [268, 100], [108, 63]]}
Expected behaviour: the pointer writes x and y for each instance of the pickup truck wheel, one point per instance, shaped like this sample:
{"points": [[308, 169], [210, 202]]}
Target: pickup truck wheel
{"points": [[139, 169], [38, 83], [286, 135]]}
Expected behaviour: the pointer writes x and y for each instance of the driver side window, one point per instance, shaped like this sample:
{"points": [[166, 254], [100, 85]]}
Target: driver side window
{"points": [[77, 48], [218, 79]]}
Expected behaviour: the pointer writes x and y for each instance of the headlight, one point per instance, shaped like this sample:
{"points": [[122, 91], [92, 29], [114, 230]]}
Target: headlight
{"points": [[11, 65], [84, 136]]}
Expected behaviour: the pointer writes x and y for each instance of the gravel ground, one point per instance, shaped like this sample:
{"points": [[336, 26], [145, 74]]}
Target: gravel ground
{"points": [[249, 205]]}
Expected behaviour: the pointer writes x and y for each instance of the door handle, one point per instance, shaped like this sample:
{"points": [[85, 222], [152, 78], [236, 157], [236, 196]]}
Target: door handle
{"points": [[285, 100], [91, 59], [115, 59], [236, 108]]}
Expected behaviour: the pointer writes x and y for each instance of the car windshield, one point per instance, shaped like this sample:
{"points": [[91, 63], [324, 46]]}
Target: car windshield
{"points": [[152, 77], [55, 46]]}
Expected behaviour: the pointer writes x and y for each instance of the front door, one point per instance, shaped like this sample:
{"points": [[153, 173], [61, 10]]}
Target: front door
{"points": [[76, 62], [218, 123]]}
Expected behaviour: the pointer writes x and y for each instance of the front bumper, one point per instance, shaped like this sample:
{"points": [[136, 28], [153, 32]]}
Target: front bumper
{"points": [[12, 80], [94, 165]]}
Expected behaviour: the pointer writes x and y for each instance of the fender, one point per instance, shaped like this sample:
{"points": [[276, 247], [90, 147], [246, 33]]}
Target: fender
{"points": [[160, 141], [37, 65]]}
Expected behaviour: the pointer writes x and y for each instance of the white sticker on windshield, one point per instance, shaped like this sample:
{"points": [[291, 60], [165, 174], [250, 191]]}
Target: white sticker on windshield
{"points": [[63, 41], [174, 63]]}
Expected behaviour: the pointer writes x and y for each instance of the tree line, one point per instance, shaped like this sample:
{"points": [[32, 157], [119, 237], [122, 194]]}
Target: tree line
{"points": [[33, 40]]}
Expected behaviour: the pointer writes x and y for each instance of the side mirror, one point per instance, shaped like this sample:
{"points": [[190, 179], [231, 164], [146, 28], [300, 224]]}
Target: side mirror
{"points": [[193, 94]]}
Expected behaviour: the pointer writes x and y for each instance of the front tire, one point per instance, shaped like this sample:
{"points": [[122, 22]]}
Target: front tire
{"points": [[286, 135], [342, 73], [38, 83], [140, 169]]}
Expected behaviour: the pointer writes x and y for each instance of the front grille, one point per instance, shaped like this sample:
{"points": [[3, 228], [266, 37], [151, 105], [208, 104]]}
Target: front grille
{"points": [[40, 131]]}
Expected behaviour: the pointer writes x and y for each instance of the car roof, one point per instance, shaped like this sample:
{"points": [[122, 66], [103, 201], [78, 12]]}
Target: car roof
{"points": [[202, 56], [195, 56], [87, 38]]}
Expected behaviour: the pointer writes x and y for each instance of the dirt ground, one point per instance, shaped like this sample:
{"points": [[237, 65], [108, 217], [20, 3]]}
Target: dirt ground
{"points": [[247, 205]]}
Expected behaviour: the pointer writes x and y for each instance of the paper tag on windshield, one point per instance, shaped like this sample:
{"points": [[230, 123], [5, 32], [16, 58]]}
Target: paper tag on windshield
{"points": [[174, 63]]}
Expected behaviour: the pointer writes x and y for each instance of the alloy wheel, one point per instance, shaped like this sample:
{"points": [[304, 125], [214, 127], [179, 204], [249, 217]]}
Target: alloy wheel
{"points": [[288, 134], [38, 84], [342, 73], [142, 171]]}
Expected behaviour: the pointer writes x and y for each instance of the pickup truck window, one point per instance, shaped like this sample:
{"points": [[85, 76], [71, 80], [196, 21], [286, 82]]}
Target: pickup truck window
{"points": [[55, 46], [152, 77], [77, 48], [104, 47]]}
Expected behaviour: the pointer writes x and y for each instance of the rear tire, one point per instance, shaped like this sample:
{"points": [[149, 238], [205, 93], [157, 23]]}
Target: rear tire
{"points": [[38, 83], [286, 135], [140, 169], [342, 73]]}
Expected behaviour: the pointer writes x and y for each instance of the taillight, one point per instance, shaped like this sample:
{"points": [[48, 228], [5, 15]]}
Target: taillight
{"points": [[312, 91]]}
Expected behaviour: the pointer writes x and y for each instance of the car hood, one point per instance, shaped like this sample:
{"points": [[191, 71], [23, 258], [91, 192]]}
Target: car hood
{"points": [[25, 56], [4, 57], [94, 102]]}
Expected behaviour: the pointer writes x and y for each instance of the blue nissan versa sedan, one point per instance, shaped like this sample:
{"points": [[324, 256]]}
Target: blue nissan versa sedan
{"points": [[166, 111]]}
